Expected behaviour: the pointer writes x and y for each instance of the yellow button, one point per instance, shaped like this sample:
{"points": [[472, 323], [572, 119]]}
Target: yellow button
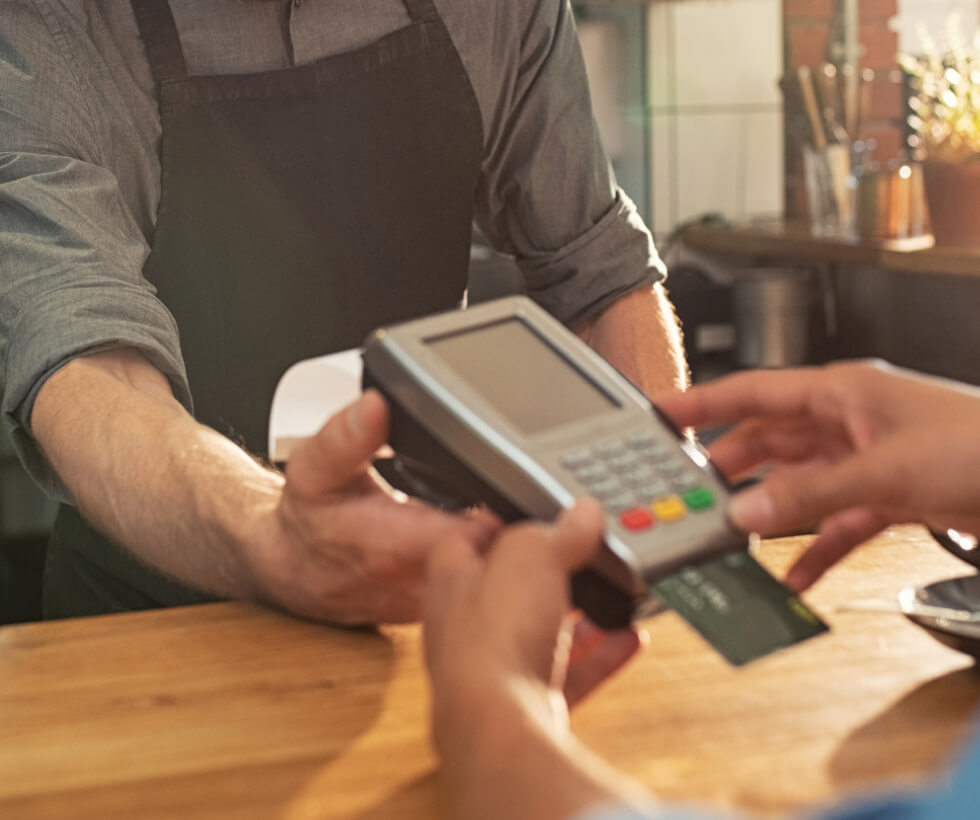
{"points": [[669, 508]]}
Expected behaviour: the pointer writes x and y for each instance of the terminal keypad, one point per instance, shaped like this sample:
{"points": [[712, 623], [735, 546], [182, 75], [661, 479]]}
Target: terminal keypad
{"points": [[641, 478]]}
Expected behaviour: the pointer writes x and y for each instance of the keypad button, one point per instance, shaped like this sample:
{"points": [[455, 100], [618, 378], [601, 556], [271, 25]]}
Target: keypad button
{"points": [[575, 459], [652, 490], [684, 482], [610, 448], [605, 489], [591, 473], [641, 438], [638, 476], [636, 518], [669, 508], [620, 502], [655, 454], [700, 498], [623, 463], [672, 469]]}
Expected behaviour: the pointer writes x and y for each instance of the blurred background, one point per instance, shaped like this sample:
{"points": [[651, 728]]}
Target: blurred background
{"points": [[776, 258]]}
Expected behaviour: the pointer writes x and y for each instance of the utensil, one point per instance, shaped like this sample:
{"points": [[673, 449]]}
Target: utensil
{"points": [[831, 103], [807, 91], [830, 194], [851, 79], [865, 94], [932, 608], [948, 610]]}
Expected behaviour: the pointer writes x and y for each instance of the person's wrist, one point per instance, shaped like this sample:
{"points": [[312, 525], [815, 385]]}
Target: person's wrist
{"points": [[500, 742], [483, 718], [242, 520], [267, 549]]}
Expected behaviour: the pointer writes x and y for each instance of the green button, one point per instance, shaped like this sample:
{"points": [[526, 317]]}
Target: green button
{"points": [[700, 498]]}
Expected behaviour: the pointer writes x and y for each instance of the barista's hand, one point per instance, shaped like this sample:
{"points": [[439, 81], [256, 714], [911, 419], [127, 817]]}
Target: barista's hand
{"points": [[854, 448], [339, 546]]}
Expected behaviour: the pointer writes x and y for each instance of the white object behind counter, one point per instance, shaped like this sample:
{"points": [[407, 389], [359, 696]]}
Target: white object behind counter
{"points": [[308, 394]]}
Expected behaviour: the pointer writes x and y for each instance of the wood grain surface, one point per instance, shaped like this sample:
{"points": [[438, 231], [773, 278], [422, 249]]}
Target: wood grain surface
{"points": [[232, 711]]}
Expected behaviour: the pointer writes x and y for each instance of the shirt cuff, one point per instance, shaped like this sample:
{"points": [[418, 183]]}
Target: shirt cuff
{"points": [[614, 257], [69, 322]]}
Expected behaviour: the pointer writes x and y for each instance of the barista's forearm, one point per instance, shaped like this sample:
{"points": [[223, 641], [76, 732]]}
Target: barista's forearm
{"points": [[140, 469], [640, 336]]}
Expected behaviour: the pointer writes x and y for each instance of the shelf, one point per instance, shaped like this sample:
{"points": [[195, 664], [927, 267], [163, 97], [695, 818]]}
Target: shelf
{"points": [[788, 242]]}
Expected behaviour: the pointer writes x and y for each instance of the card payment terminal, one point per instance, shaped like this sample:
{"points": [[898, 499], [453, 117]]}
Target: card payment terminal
{"points": [[500, 404]]}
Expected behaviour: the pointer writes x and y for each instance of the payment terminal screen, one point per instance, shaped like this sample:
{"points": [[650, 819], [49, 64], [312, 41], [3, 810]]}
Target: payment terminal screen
{"points": [[520, 375]]}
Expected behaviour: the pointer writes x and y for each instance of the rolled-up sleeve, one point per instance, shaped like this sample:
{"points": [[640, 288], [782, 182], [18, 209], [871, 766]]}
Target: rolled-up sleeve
{"points": [[71, 255], [547, 194]]}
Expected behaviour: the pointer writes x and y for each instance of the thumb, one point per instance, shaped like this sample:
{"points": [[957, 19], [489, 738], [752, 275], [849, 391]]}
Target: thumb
{"points": [[328, 460], [577, 533]]}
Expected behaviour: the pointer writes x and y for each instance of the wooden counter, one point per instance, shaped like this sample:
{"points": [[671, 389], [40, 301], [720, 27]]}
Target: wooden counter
{"points": [[230, 711]]}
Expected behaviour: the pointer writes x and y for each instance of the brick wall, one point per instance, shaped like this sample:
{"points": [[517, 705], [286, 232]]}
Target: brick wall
{"points": [[811, 28]]}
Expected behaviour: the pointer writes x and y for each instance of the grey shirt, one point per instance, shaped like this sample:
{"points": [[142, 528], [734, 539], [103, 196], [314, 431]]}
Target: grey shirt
{"points": [[80, 167]]}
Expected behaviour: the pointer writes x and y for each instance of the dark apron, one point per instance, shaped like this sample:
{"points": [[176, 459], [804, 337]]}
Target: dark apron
{"points": [[299, 210]]}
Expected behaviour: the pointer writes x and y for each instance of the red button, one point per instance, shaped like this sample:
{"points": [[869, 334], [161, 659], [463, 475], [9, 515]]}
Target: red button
{"points": [[637, 518]]}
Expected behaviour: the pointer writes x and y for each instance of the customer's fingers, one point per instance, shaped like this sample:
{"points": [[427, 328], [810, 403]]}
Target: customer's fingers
{"points": [[800, 498], [759, 441], [740, 396], [838, 535], [532, 551]]}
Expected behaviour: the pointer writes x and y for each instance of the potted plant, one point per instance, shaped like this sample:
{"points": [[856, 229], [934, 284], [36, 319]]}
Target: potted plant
{"points": [[945, 118]]}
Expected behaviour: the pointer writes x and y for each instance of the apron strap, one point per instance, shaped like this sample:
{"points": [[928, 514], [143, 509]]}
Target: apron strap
{"points": [[159, 33], [420, 10]]}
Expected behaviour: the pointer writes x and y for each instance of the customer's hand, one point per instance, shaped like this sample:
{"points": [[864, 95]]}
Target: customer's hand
{"points": [[337, 545], [501, 621], [505, 660], [853, 448]]}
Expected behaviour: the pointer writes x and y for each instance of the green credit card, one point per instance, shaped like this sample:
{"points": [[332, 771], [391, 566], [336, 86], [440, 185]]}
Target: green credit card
{"points": [[739, 608]]}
